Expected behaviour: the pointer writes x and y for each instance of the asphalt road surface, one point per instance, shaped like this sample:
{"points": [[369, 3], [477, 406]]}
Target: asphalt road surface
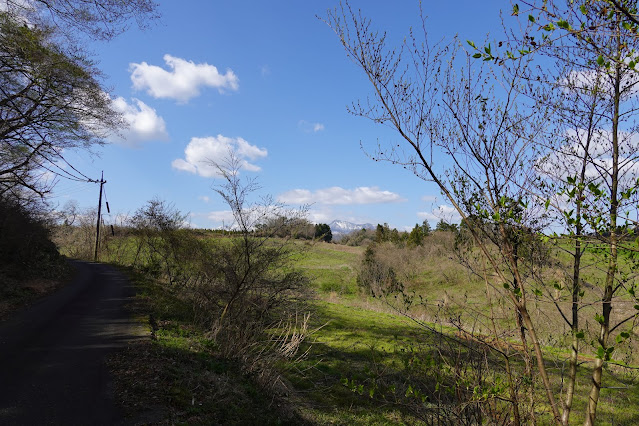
{"points": [[52, 356]]}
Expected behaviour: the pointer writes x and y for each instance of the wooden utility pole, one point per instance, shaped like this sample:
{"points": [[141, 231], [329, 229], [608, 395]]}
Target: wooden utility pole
{"points": [[97, 226]]}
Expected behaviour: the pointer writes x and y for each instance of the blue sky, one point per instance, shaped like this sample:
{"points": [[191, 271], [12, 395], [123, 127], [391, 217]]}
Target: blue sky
{"points": [[272, 82]]}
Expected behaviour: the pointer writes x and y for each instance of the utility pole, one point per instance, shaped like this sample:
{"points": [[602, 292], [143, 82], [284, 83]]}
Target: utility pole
{"points": [[97, 226]]}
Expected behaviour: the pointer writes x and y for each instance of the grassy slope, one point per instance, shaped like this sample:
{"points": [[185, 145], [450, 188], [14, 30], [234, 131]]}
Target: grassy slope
{"points": [[358, 340], [177, 377], [357, 335]]}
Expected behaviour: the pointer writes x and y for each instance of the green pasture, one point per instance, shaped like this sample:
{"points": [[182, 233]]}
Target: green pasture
{"points": [[364, 364]]}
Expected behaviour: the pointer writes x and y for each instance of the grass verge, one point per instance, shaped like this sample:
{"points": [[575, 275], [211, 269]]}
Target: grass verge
{"points": [[177, 376]]}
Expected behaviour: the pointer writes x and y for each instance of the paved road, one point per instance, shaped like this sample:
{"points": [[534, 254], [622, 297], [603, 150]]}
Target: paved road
{"points": [[52, 368]]}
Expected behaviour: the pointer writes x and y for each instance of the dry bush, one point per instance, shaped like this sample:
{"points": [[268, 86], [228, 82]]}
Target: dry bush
{"points": [[426, 269], [76, 234]]}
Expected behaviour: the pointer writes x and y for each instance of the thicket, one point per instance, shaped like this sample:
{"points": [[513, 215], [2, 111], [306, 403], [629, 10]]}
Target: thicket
{"points": [[26, 249]]}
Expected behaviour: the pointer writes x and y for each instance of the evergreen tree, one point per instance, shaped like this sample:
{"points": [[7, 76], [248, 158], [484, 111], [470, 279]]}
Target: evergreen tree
{"points": [[323, 232], [416, 237]]}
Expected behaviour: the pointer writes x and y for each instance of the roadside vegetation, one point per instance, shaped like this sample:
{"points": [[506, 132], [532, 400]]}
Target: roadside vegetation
{"points": [[30, 264]]}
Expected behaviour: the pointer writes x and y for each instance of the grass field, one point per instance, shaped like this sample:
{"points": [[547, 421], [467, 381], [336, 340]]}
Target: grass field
{"points": [[366, 363]]}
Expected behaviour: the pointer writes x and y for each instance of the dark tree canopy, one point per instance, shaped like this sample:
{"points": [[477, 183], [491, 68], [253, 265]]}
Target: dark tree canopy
{"points": [[416, 236], [443, 226], [323, 232]]}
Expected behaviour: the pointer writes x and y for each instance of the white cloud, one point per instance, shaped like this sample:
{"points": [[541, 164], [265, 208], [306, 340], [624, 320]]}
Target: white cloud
{"points": [[309, 127], [182, 81], [338, 195], [567, 159], [144, 123], [443, 212], [201, 154], [328, 215], [222, 216], [204, 198], [585, 81]]}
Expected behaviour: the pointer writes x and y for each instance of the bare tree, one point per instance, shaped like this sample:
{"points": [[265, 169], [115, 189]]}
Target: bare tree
{"points": [[101, 20], [481, 129], [51, 94], [252, 276], [563, 140], [594, 161], [50, 101]]}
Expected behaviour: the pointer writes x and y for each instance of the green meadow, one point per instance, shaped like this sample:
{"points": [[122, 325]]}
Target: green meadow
{"points": [[365, 360]]}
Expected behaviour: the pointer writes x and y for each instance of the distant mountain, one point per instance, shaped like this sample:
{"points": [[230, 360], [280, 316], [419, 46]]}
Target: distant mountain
{"points": [[341, 227]]}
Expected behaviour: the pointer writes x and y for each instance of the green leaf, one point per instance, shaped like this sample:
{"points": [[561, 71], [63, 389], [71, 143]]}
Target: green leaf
{"points": [[506, 286], [471, 43], [531, 18], [583, 9], [547, 203], [563, 24], [477, 55], [600, 352], [600, 60], [579, 335], [515, 9], [636, 307]]}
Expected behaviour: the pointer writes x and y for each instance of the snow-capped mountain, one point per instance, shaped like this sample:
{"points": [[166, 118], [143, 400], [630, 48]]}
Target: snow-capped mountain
{"points": [[342, 227]]}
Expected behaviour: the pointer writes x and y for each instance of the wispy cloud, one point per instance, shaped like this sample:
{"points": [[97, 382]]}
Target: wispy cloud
{"points": [[221, 216], [143, 121], [338, 195], [202, 154], [183, 81], [308, 127], [442, 212]]}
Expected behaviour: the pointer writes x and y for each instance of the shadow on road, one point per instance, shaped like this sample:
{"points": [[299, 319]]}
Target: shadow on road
{"points": [[52, 356]]}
